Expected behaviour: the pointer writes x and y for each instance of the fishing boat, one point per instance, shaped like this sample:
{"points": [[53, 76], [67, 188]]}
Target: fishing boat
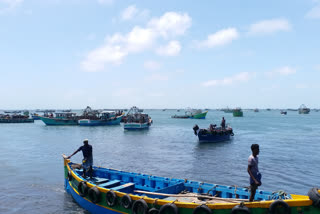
{"points": [[103, 118], [255, 110], [213, 134], [303, 109], [60, 118], [15, 118], [135, 120], [192, 114], [112, 191], [237, 112], [283, 112]]}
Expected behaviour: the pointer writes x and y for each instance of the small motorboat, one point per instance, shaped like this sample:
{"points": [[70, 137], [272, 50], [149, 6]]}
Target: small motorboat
{"points": [[283, 112]]}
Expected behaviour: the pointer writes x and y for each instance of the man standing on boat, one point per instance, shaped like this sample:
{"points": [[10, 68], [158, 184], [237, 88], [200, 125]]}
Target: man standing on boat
{"points": [[87, 161], [253, 170], [223, 123]]}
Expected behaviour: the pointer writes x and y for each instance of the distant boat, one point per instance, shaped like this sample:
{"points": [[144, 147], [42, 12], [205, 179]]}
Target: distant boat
{"points": [[62, 118], [256, 110], [135, 120], [103, 118], [303, 109], [213, 134], [35, 116], [15, 118], [237, 112], [227, 110], [283, 112], [268, 109], [192, 114]]}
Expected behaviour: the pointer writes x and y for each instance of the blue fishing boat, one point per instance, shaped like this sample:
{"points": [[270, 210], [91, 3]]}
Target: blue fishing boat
{"points": [[103, 118], [213, 134], [63, 118], [112, 191], [135, 120]]}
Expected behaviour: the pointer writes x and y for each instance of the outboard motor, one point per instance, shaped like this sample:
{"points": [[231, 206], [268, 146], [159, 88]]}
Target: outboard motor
{"points": [[195, 129]]}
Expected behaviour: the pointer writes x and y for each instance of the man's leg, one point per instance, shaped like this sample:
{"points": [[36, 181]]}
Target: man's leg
{"points": [[91, 172], [253, 191]]}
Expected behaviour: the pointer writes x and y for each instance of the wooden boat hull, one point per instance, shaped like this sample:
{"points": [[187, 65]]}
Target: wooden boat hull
{"points": [[87, 122], [59, 121], [17, 120], [136, 126], [81, 190]]}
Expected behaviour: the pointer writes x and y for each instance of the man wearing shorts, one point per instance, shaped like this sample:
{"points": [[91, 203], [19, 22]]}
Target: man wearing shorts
{"points": [[253, 170]]}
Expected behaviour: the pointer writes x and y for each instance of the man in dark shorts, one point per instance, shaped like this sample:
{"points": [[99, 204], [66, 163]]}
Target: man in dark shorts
{"points": [[253, 170], [87, 161]]}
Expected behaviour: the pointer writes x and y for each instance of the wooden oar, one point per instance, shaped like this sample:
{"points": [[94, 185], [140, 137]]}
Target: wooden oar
{"points": [[182, 195]]}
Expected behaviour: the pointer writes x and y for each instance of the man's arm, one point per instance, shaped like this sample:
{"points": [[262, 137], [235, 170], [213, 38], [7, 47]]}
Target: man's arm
{"points": [[74, 153]]}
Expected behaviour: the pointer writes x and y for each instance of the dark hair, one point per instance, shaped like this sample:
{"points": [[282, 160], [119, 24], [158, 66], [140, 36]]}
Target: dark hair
{"points": [[254, 146]]}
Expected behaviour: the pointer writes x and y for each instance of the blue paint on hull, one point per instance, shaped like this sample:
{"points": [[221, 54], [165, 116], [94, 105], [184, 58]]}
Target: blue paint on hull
{"points": [[101, 122], [91, 207], [136, 126], [58, 121]]}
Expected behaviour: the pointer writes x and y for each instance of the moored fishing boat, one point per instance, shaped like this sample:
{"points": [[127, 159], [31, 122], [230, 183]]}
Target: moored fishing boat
{"points": [[227, 110], [135, 120], [303, 109], [16, 118], [103, 118], [213, 134], [237, 112], [114, 191], [192, 114], [63, 118]]}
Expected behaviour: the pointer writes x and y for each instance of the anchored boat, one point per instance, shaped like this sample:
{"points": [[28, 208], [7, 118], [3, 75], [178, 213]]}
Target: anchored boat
{"points": [[237, 112], [103, 118], [213, 134], [135, 120], [16, 118], [113, 191], [193, 114], [303, 109], [63, 118]]}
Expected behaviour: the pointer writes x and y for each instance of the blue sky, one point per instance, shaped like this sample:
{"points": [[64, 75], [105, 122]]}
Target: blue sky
{"points": [[159, 54]]}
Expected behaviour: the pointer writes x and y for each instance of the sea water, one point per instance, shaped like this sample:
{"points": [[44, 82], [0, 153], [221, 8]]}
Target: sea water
{"points": [[31, 166]]}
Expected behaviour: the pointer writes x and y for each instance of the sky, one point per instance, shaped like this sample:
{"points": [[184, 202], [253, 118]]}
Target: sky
{"points": [[159, 54]]}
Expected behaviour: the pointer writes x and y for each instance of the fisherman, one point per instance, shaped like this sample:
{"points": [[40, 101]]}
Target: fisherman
{"points": [[87, 157], [253, 170], [223, 123]]}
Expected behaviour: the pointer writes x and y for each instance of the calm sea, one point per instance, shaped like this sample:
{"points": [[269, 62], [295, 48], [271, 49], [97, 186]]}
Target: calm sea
{"points": [[32, 169]]}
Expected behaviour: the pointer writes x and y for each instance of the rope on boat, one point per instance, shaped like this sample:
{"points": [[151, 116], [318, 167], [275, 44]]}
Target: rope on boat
{"points": [[215, 186]]}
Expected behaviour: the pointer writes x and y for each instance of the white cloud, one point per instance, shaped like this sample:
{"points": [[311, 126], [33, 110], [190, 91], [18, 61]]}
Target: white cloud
{"points": [[283, 71], [171, 24], [173, 48], [129, 12], [156, 94], [241, 77], [118, 46], [269, 26], [314, 13], [151, 65], [219, 38], [9, 5], [317, 67]]}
